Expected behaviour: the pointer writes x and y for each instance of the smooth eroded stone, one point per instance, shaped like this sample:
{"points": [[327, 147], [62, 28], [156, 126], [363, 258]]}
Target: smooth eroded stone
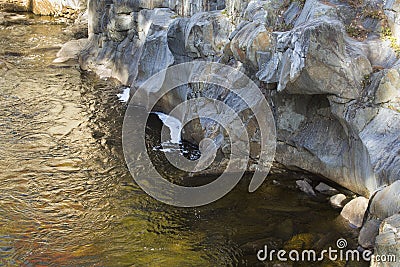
{"points": [[386, 202], [44, 7], [305, 187], [354, 211], [328, 89], [337, 201], [326, 189], [70, 50], [15, 5]]}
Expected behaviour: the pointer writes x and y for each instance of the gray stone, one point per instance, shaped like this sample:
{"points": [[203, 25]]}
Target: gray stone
{"points": [[337, 201], [314, 60], [386, 202], [392, 9], [284, 229], [70, 50], [354, 211], [326, 189], [368, 233], [305, 187], [387, 243], [389, 87], [206, 34]]}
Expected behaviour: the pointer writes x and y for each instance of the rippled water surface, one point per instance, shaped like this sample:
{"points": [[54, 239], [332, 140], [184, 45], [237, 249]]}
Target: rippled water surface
{"points": [[67, 199]]}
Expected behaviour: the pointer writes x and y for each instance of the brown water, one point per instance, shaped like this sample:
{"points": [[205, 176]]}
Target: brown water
{"points": [[67, 199]]}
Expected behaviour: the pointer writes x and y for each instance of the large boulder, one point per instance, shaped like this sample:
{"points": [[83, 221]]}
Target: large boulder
{"points": [[249, 41], [314, 59], [386, 202]]}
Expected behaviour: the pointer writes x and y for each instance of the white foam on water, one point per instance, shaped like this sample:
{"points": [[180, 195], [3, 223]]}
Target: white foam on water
{"points": [[124, 96], [174, 125]]}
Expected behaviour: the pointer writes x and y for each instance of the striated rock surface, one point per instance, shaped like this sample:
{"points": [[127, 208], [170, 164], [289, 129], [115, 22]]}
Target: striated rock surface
{"points": [[387, 243]]}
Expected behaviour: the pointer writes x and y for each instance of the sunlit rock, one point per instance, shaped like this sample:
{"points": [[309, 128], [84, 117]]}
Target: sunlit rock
{"points": [[206, 34], [386, 202], [354, 211], [337, 201]]}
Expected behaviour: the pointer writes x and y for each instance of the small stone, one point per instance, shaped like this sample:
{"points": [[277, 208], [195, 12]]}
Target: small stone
{"points": [[326, 189], [70, 50], [354, 211], [304, 186], [275, 182], [337, 201]]}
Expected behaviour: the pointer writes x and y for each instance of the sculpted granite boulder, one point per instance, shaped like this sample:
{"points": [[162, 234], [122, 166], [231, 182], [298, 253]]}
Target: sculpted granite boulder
{"points": [[314, 59], [332, 92]]}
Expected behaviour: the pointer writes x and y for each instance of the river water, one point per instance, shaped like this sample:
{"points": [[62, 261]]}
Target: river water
{"points": [[67, 198]]}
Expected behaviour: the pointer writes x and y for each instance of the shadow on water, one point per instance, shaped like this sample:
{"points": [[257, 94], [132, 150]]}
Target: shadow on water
{"points": [[66, 197]]}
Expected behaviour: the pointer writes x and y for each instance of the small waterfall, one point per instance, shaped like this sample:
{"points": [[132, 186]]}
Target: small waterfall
{"points": [[124, 96], [174, 125]]}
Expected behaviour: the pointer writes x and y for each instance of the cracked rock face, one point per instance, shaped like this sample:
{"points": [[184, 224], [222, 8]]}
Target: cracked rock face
{"points": [[329, 73]]}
